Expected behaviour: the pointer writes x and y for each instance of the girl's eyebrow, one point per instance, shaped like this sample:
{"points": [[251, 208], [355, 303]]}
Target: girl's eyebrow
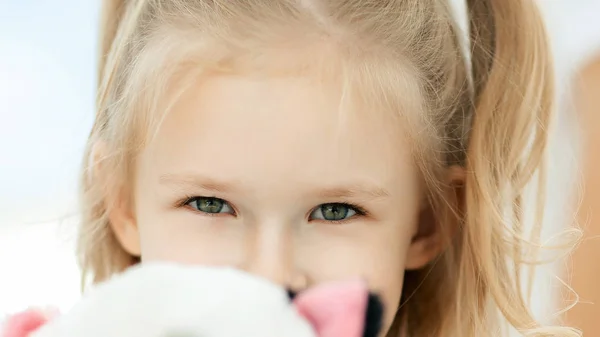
{"points": [[354, 190], [197, 181], [346, 190]]}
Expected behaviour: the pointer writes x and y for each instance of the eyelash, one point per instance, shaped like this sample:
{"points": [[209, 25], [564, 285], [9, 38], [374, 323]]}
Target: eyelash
{"points": [[183, 203], [360, 211]]}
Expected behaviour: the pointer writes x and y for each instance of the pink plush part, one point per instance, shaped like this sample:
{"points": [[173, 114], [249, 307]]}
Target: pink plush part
{"points": [[26, 322], [335, 310]]}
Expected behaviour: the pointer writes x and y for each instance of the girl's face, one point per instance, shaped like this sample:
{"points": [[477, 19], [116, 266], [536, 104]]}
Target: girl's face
{"points": [[276, 177]]}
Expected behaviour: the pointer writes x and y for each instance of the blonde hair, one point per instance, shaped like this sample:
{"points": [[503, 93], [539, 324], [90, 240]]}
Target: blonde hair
{"points": [[487, 110]]}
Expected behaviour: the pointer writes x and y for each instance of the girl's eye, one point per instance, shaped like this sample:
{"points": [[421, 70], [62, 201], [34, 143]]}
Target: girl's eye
{"points": [[210, 205], [334, 212]]}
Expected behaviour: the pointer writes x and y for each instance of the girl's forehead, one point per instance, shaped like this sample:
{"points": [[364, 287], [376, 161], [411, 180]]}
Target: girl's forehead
{"points": [[291, 107], [344, 95], [274, 126]]}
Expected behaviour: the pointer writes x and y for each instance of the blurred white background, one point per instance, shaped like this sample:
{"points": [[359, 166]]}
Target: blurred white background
{"points": [[47, 77]]}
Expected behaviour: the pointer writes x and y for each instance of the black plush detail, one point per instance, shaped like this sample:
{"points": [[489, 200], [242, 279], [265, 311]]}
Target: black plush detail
{"points": [[291, 294], [373, 316]]}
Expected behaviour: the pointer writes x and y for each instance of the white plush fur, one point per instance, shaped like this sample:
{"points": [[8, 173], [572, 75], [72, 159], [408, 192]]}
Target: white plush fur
{"points": [[163, 300]]}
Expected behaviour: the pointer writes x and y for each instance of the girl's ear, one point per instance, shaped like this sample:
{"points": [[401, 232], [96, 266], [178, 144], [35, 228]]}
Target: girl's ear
{"points": [[430, 240], [125, 227], [116, 202]]}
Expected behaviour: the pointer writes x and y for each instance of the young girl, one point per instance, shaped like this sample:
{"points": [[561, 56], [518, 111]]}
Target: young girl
{"points": [[312, 140]]}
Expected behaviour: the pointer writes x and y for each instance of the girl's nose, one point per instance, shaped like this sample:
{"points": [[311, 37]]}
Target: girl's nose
{"points": [[271, 254]]}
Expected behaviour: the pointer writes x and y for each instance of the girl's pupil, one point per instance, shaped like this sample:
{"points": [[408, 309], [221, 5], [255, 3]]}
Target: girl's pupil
{"points": [[209, 205], [334, 212]]}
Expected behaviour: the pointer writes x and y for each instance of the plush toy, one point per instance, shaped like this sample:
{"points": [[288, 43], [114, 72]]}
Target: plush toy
{"points": [[164, 300]]}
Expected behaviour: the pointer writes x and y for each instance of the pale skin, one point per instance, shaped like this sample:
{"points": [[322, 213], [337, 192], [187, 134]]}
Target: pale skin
{"points": [[584, 268], [269, 176]]}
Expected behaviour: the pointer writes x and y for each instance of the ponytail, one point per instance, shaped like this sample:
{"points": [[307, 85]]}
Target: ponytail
{"points": [[513, 93]]}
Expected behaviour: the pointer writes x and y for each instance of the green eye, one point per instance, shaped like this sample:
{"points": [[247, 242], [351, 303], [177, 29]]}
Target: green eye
{"points": [[334, 212], [210, 205]]}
